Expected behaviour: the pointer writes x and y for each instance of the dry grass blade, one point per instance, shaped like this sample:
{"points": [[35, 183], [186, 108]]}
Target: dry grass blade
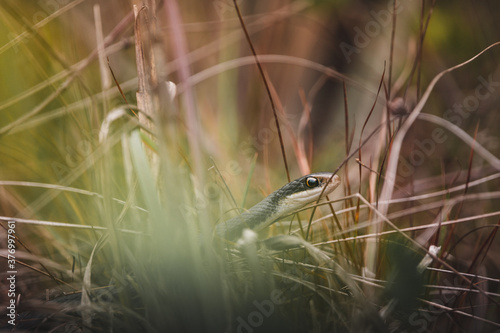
{"points": [[461, 134], [266, 84], [390, 174]]}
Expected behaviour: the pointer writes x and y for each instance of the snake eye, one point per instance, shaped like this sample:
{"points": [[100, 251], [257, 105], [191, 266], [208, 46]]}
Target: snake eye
{"points": [[312, 182]]}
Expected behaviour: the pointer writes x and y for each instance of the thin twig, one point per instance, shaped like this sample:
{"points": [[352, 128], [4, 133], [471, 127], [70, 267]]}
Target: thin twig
{"points": [[266, 84], [388, 187]]}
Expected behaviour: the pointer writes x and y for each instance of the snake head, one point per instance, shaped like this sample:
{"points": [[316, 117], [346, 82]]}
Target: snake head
{"points": [[306, 190], [280, 203]]}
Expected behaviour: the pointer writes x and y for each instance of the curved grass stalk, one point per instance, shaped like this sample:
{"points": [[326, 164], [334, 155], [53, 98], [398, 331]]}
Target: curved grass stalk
{"points": [[64, 224], [272, 58], [390, 174], [82, 64], [409, 229], [64, 189], [460, 133], [415, 210], [455, 311], [22, 36]]}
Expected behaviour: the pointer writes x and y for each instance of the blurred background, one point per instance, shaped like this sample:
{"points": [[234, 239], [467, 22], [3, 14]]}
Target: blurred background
{"points": [[65, 160]]}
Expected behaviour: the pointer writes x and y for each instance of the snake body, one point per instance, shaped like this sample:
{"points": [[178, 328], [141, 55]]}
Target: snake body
{"points": [[282, 202]]}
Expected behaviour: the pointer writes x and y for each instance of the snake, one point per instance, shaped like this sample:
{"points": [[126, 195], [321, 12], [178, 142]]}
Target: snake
{"points": [[279, 204]]}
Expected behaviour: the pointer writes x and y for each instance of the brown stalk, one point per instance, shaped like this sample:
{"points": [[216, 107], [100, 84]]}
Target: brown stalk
{"points": [[452, 228], [304, 159], [180, 49], [261, 70], [418, 59], [348, 143], [391, 53], [361, 136]]}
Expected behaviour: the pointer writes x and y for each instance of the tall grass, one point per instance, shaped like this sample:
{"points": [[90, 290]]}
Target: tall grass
{"points": [[130, 130]]}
